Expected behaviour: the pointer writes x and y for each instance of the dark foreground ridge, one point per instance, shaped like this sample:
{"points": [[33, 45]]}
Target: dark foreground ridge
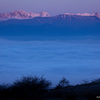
{"points": [[38, 88]]}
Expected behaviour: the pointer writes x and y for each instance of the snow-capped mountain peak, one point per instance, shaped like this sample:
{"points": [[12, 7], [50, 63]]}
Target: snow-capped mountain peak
{"points": [[44, 14], [85, 14], [97, 15], [20, 14]]}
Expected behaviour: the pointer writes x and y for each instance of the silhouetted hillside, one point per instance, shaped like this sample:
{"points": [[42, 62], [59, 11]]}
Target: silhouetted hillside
{"points": [[35, 88]]}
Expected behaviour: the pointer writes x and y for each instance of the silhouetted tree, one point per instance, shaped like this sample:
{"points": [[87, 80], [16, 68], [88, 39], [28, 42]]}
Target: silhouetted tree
{"points": [[29, 88], [96, 81], [62, 83]]}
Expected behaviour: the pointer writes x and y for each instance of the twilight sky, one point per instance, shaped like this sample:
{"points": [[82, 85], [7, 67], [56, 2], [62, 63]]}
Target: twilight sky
{"points": [[53, 7]]}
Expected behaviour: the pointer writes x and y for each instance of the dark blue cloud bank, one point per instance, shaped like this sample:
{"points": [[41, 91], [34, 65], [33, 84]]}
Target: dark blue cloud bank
{"points": [[77, 61]]}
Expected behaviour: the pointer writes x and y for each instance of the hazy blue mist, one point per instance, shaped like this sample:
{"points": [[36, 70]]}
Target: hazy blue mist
{"points": [[73, 59]]}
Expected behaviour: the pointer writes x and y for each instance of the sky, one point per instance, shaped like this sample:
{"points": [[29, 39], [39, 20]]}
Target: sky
{"points": [[53, 7]]}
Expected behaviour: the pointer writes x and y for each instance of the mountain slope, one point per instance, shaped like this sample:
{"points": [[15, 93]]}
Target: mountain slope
{"points": [[58, 26]]}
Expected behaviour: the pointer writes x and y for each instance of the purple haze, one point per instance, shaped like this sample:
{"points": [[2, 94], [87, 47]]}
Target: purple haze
{"points": [[53, 7]]}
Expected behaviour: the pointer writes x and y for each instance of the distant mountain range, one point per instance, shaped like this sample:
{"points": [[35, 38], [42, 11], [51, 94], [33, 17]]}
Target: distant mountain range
{"points": [[21, 24], [20, 14]]}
